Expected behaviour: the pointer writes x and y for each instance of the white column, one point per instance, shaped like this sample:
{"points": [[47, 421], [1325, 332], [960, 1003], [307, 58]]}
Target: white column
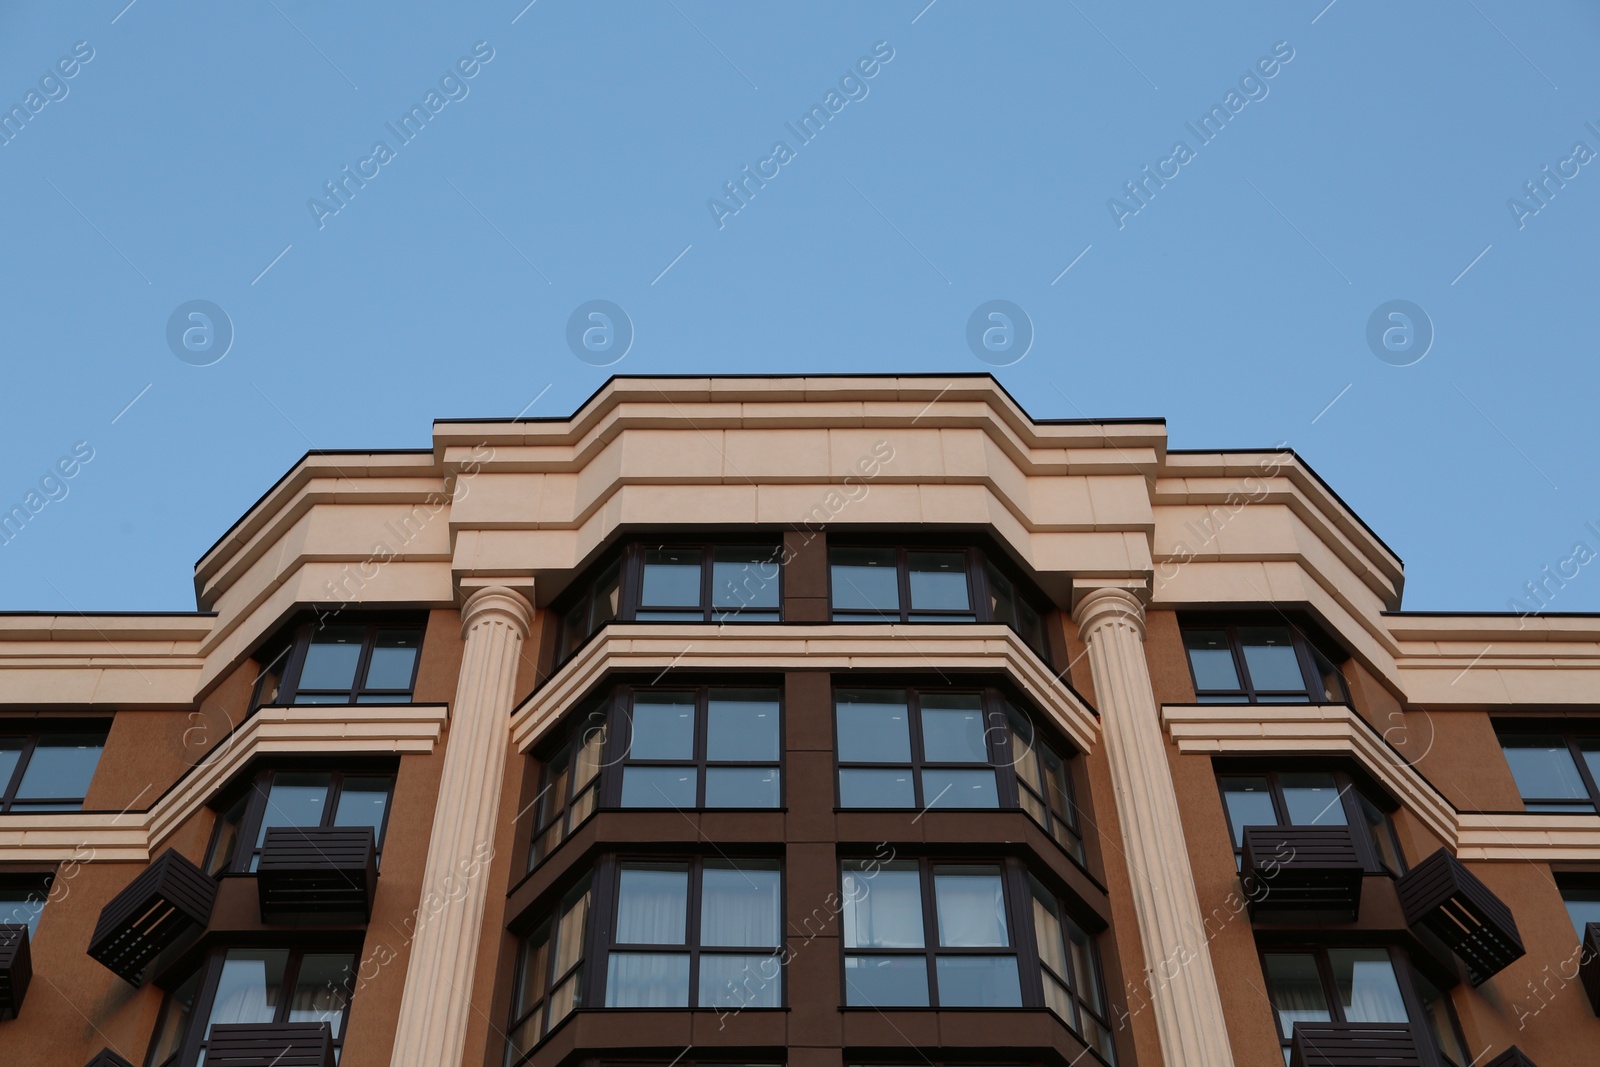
{"points": [[435, 1009], [1183, 986]]}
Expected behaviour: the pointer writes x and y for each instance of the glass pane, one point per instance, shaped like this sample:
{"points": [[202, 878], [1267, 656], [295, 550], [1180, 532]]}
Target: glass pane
{"points": [[1085, 969], [332, 658], [393, 657], [741, 787], [882, 906], [1313, 800], [21, 906], [1296, 990], [740, 981], [534, 971], [297, 798], [362, 802], [227, 834], [1381, 830], [61, 766], [744, 578], [1583, 906], [1270, 657], [565, 996], [175, 1020], [1058, 789], [322, 990], [970, 906], [647, 980], [959, 789], [1021, 747], [1249, 802], [662, 727], [652, 904], [874, 726], [671, 578], [607, 597], [1544, 768], [865, 578], [251, 983], [659, 787], [862, 788], [1441, 1020], [569, 936], [1002, 599], [938, 581], [1367, 986], [10, 753], [953, 729], [1211, 659], [978, 982], [739, 905], [586, 763], [1047, 932], [886, 981], [742, 725]]}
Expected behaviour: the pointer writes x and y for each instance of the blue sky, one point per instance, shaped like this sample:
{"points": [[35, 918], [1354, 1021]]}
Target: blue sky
{"points": [[978, 162]]}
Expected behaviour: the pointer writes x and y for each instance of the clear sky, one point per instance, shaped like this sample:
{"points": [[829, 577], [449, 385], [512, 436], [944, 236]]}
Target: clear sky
{"points": [[571, 152]]}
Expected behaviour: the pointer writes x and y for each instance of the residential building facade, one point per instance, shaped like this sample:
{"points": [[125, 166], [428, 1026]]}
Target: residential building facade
{"points": [[821, 722]]}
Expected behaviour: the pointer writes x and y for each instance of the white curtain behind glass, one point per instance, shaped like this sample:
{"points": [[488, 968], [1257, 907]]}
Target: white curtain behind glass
{"points": [[739, 908]]}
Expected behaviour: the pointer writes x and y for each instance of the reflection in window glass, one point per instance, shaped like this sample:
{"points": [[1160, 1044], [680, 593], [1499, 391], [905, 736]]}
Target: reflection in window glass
{"points": [[332, 658], [251, 983], [1296, 990], [744, 583], [652, 901], [1211, 659], [394, 659], [938, 582], [1546, 774], [322, 990], [873, 725], [1368, 989], [865, 579], [671, 580], [742, 726], [1249, 803], [663, 726], [58, 772], [882, 905], [1313, 800], [970, 907], [953, 728], [1270, 657], [22, 903]]}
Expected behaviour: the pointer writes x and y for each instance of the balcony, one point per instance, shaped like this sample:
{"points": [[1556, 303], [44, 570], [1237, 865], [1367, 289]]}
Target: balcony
{"points": [[1354, 1045], [270, 1045], [1442, 897], [16, 968], [169, 900], [1309, 874], [317, 874]]}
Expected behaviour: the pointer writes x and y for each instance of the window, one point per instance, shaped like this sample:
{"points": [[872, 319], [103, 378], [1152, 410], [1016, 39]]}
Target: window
{"points": [[1260, 665], [253, 985], [1359, 985], [1554, 771], [706, 933], [690, 748], [1581, 893], [674, 583], [549, 976], [920, 934], [296, 798], [1071, 971], [47, 771], [342, 660], [22, 899], [1311, 798], [1044, 786], [893, 584]]}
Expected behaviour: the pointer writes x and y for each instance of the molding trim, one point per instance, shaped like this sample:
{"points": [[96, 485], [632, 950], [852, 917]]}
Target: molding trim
{"points": [[132, 836], [780, 647]]}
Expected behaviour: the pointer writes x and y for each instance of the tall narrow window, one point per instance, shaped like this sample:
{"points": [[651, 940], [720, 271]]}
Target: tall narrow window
{"points": [[1071, 970], [571, 785], [549, 975]]}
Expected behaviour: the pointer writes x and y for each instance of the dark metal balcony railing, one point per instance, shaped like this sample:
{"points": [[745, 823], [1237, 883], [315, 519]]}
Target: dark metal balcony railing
{"points": [[1441, 896], [320, 873], [1354, 1045], [1302, 873], [270, 1045], [16, 968], [169, 900]]}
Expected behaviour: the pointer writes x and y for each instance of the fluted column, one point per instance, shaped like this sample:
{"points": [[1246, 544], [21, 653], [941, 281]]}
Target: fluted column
{"points": [[435, 1008], [1180, 980]]}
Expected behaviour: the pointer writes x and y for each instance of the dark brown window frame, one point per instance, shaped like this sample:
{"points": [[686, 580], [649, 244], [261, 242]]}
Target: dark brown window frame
{"points": [[1306, 654], [1405, 971], [283, 659], [1352, 792], [253, 790], [37, 729], [1574, 738], [209, 969], [548, 922], [627, 562]]}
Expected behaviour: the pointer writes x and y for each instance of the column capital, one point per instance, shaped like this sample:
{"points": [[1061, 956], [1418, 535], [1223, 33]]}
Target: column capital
{"points": [[497, 600], [1109, 604]]}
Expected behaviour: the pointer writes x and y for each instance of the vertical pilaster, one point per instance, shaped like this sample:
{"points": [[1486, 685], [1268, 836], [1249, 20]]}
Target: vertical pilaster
{"points": [[1182, 982], [435, 1007]]}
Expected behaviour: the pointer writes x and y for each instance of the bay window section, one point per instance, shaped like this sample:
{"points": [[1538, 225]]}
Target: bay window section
{"points": [[1311, 797], [905, 748], [304, 798], [711, 747], [1071, 970], [570, 788], [342, 659], [548, 983], [1259, 664]]}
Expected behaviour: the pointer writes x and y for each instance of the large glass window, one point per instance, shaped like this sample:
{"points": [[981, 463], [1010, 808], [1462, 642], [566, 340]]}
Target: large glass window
{"points": [[254, 985], [701, 933], [1071, 969], [1581, 894], [711, 747], [1351, 984], [921, 934], [342, 659], [570, 788], [549, 976], [1555, 771], [674, 583], [47, 771], [1260, 664], [296, 798], [1311, 798]]}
